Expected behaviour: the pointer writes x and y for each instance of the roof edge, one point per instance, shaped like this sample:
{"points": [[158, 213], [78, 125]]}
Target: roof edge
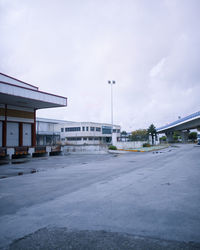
{"points": [[19, 80], [35, 90]]}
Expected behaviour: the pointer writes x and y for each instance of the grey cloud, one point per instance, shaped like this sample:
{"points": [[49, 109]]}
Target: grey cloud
{"points": [[73, 47]]}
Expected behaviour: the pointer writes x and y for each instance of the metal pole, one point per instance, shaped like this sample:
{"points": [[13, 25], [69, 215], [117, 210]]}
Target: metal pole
{"points": [[112, 105], [111, 83]]}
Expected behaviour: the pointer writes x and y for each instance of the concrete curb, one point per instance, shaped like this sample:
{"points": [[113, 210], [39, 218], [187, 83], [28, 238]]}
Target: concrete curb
{"points": [[143, 151], [117, 151]]}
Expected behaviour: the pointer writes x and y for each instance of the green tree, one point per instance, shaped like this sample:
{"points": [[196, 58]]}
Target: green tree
{"points": [[176, 136], [192, 136], [163, 139], [152, 131], [139, 135], [124, 133]]}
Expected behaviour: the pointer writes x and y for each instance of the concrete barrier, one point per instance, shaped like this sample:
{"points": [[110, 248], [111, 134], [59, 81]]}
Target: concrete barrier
{"points": [[129, 144], [85, 149]]}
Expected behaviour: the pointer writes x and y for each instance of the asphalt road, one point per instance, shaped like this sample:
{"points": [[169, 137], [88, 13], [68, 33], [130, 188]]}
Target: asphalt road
{"points": [[148, 200]]}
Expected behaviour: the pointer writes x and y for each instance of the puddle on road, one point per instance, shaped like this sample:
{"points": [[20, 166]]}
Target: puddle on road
{"points": [[167, 184]]}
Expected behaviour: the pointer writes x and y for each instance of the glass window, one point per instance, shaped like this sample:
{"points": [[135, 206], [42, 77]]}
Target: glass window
{"points": [[62, 129], [73, 138], [73, 129], [83, 128], [98, 129], [87, 128], [106, 130], [91, 128]]}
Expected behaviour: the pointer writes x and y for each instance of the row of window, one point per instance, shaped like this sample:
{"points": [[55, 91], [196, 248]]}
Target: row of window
{"points": [[75, 129], [116, 130], [84, 138], [105, 130]]}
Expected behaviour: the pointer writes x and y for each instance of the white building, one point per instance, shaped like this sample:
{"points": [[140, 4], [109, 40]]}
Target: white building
{"points": [[47, 133], [50, 132], [87, 132]]}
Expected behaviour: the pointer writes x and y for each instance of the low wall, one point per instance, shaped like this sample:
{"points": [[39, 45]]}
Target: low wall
{"points": [[85, 149], [129, 144]]}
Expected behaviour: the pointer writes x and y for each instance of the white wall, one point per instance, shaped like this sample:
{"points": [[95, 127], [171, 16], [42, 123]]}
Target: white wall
{"points": [[45, 127], [27, 134], [12, 134], [129, 144], [85, 149]]}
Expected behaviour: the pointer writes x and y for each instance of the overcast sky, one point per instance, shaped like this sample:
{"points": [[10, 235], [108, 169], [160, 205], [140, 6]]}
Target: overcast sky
{"points": [[73, 47]]}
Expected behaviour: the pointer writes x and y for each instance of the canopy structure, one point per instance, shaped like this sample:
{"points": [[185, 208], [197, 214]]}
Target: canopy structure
{"points": [[18, 93], [18, 104]]}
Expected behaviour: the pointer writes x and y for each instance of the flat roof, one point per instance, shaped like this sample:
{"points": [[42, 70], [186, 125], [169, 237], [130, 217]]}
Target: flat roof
{"points": [[48, 120], [40, 119], [18, 93]]}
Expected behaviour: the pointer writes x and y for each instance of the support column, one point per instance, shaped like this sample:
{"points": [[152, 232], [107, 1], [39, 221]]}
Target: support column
{"points": [[5, 127], [169, 136], [20, 134], [184, 136], [34, 130]]}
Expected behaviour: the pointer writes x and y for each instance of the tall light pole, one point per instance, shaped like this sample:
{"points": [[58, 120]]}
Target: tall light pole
{"points": [[111, 84]]}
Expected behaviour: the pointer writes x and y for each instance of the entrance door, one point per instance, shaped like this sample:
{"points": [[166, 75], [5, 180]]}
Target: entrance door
{"points": [[12, 134], [27, 134], [1, 133]]}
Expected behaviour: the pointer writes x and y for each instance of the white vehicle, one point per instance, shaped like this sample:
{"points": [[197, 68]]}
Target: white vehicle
{"points": [[198, 138]]}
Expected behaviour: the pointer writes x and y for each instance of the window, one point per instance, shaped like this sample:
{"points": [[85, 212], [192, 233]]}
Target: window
{"points": [[73, 138], [91, 128], [85, 138], [114, 130], [98, 129], [62, 129], [73, 129], [106, 130], [87, 128], [83, 128]]}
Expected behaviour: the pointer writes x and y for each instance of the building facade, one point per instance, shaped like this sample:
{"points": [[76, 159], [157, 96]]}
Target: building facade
{"points": [[18, 104], [47, 131], [87, 132], [50, 132]]}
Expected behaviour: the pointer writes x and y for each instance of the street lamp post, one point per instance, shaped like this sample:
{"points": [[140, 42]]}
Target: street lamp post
{"points": [[111, 84]]}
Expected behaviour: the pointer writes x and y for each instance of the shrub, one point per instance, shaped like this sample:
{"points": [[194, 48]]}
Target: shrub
{"points": [[111, 147], [192, 136], [163, 138], [146, 145]]}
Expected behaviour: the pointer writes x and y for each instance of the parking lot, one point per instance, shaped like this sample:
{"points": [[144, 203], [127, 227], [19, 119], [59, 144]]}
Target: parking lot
{"points": [[150, 199]]}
